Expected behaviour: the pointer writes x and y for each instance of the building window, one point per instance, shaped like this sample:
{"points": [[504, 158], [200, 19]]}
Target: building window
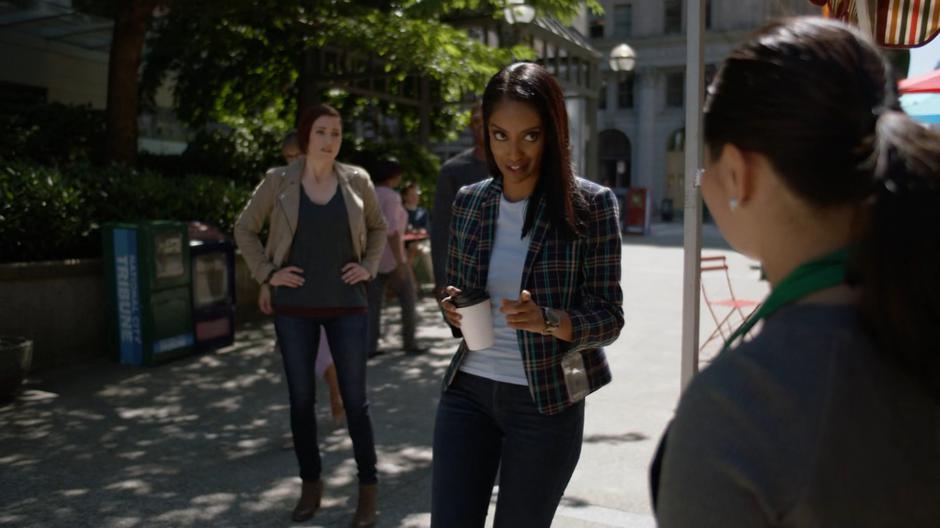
{"points": [[675, 90], [623, 20], [672, 16], [625, 92], [596, 28], [602, 97]]}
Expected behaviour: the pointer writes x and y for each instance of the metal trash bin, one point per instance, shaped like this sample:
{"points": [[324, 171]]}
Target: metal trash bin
{"points": [[213, 286]]}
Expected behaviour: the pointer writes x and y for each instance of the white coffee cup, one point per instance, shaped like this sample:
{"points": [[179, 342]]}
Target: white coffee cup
{"points": [[476, 318]]}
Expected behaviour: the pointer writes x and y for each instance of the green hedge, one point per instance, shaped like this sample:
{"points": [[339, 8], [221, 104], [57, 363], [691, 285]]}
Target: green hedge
{"points": [[54, 134], [48, 213]]}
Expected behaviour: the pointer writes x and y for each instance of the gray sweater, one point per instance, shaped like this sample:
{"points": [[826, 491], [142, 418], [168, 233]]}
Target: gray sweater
{"points": [[806, 425]]}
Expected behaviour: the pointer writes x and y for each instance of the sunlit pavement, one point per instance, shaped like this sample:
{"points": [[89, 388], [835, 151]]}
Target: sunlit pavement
{"points": [[205, 441]]}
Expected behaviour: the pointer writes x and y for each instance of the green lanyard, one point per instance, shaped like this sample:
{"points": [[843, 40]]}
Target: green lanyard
{"points": [[820, 274]]}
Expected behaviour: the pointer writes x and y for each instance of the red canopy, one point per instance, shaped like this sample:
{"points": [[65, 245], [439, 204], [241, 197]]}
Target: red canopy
{"points": [[929, 83]]}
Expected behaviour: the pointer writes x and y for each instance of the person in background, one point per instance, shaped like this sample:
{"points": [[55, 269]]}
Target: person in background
{"points": [[393, 269], [326, 236], [325, 368], [419, 222], [544, 245], [830, 414], [465, 168]]}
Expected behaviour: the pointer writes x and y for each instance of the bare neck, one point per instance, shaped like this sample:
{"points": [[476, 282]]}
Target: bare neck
{"points": [[516, 191], [318, 171], [808, 238]]}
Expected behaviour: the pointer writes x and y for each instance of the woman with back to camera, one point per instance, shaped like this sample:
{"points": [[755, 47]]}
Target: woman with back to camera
{"points": [[830, 415], [326, 236], [544, 245]]}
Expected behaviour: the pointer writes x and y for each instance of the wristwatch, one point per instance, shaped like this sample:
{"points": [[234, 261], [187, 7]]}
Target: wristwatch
{"points": [[552, 320], [267, 279]]}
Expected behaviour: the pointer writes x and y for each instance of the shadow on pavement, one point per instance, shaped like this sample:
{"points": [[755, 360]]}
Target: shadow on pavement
{"points": [[615, 439], [205, 440], [671, 235]]}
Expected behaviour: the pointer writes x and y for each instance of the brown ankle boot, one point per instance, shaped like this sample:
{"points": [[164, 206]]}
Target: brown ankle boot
{"points": [[309, 503], [365, 511]]}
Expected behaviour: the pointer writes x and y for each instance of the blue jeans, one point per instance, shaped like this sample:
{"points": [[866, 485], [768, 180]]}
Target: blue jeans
{"points": [[484, 425], [298, 338], [404, 288]]}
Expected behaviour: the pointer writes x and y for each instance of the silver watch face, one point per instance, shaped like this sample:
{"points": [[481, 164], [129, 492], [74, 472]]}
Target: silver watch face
{"points": [[551, 318]]}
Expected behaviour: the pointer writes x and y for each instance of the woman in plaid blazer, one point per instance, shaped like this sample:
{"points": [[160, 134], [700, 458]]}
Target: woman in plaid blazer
{"points": [[545, 246]]}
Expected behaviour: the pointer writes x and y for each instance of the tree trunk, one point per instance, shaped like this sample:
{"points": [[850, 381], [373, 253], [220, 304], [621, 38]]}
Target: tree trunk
{"points": [[307, 93], [127, 45]]}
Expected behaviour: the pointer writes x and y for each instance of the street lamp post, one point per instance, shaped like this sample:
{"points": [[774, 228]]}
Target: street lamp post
{"points": [[622, 58], [518, 12]]}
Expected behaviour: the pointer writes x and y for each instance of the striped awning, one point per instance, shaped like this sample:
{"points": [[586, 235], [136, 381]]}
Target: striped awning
{"points": [[892, 23]]}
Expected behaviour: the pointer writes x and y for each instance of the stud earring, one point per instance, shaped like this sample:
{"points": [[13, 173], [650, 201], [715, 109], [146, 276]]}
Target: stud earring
{"points": [[733, 204]]}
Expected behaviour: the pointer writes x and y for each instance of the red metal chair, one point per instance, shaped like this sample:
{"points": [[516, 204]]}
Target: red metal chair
{"points": [[727, 312]]}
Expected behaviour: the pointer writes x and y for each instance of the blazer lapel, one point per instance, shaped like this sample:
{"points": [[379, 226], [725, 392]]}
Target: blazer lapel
{"points": [[539, 232], [289, 199], [354, 207]]}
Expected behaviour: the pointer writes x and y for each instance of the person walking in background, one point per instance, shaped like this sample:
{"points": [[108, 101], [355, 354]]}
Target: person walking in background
{"points": [[419, 224], [326, 236], [830, 414], [325, 368], [545, 246], [466, 168], [393, 268]]}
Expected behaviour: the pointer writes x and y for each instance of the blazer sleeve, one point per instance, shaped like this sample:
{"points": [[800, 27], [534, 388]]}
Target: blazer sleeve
{"points": [[598, 320], [454, 268], [376, 227], [250, 222]]}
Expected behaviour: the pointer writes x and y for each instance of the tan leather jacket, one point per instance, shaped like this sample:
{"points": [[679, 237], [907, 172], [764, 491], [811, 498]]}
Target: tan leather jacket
{"points": [[277, 200]]}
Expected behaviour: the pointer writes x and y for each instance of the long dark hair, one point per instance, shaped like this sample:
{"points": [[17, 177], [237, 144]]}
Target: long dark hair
{"points": [[816, 98], [530, 83]]}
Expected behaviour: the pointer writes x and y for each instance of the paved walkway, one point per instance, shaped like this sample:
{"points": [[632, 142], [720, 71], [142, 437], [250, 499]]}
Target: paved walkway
{"points": [[204, 441]]}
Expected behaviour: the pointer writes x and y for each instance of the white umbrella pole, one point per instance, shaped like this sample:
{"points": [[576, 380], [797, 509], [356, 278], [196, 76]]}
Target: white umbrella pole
{"points": [[694, 96]]}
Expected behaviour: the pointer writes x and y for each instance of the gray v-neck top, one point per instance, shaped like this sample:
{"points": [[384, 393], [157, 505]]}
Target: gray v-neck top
{"points": [[322, 246], [807, 425]]}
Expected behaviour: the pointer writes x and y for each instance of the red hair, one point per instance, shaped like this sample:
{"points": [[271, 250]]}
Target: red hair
{"points": [[307, 118]]}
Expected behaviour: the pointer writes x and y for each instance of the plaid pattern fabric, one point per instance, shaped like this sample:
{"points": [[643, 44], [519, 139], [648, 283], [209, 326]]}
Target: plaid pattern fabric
{"points": [[580, 277]]}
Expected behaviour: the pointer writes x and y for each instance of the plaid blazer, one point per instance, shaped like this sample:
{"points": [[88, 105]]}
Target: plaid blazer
{"points": [[580, 276]]}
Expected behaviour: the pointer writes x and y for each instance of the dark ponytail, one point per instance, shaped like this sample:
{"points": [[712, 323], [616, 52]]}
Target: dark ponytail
{"points": [[817, 99], [898, 258]]}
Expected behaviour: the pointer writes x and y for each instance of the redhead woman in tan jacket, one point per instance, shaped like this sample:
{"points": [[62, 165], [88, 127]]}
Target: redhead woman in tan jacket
{"points": [[325, 239]]}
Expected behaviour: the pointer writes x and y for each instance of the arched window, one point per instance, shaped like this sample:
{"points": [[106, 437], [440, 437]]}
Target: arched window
{"points": [[615, 158]]}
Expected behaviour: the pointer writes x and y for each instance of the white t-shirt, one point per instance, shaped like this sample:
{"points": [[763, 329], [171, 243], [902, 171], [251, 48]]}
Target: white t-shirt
{"points": [[503, 361]]}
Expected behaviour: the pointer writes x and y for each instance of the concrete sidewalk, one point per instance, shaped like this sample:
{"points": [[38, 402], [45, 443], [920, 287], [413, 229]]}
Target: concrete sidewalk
{"points": [[205, 441]]}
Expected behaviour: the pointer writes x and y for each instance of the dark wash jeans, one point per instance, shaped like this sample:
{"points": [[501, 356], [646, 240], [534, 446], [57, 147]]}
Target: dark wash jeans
{"points": [[484, 425], [298, 338], [404, 288]]}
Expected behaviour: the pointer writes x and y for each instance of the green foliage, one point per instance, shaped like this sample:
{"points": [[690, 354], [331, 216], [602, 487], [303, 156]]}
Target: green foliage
{"points": [[54, 133], [50, 213], [242, 58], [241, 154], [419, 164]]}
